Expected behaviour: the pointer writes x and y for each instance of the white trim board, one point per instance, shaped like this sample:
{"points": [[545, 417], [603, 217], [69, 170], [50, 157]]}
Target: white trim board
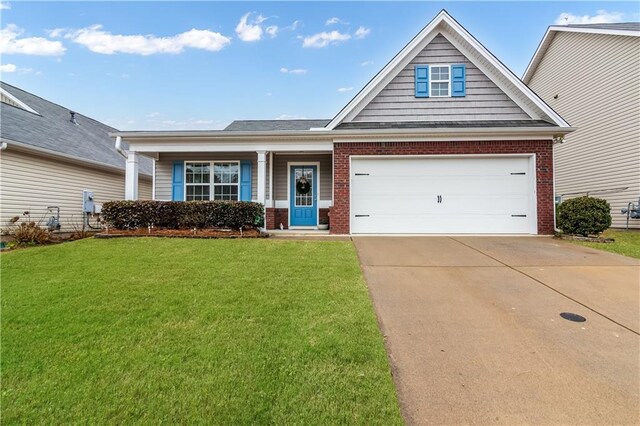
{"points": [[444, 24], [20, 104]]}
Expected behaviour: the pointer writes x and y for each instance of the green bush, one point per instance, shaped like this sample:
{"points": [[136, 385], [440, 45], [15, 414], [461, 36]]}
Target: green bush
{"points": [[182, 214], [584, 216]]}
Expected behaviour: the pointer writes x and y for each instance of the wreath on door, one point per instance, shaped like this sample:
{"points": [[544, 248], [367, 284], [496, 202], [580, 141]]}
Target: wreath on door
{"points": [[303, 186]]}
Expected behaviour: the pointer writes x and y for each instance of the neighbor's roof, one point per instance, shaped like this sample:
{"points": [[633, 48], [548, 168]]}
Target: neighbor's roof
{"points": [[631, 29], [622, 26], [47, 126], [275, 125]]}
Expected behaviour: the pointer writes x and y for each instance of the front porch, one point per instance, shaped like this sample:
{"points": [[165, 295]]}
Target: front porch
{"points": [[271, 177]]}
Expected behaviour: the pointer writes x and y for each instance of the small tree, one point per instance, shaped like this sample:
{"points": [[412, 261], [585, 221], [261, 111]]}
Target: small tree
{"points": [[584, 216]]}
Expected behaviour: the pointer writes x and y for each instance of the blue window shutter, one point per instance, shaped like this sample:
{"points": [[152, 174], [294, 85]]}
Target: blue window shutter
{"points": [[422, 81], [177, 192], [245, 180], [458, 80]]}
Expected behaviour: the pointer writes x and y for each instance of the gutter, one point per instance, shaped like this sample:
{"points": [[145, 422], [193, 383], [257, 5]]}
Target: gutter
{"points": [[329, 134]]}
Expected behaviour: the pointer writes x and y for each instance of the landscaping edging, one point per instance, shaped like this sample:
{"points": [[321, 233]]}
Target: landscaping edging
{"points": [[587, 239], [183, 233]]}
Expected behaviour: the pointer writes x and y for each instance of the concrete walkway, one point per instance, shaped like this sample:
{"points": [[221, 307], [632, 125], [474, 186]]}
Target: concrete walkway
{"points": [[474, 335]]}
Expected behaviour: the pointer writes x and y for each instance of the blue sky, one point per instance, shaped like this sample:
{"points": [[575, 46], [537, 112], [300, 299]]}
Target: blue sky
{"points": [[200, 65]]}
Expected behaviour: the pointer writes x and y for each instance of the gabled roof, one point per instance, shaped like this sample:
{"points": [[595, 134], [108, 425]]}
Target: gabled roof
{"points": [[269, 125], [444, 24], [631, 29], [47, 127]]}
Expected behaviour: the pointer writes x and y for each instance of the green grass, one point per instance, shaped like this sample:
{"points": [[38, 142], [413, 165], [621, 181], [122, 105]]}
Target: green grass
{"points": [[627, 243], [191, 331]]}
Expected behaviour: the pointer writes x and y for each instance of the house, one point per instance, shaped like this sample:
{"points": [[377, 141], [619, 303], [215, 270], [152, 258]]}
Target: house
{"points": [[444, 139], [591, 75], [50, 155]]}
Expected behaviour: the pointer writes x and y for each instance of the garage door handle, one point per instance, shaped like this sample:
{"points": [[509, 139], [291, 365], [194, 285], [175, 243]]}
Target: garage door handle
{"points": [[362, 174], [362, 215], [518, 215], [439, 199]]}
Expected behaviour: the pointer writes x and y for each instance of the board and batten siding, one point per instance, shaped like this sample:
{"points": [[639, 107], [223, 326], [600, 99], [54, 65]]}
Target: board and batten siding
{"points": [[483, 101], [32, 183], [281, 173], [596, 78], [164, 169]]}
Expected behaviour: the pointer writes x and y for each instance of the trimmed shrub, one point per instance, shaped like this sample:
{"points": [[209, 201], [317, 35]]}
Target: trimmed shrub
{"points": [[584, 216], [182, 214]]}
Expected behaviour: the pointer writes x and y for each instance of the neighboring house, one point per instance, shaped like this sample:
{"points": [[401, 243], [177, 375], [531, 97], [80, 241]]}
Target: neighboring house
{"points": [[444, 139], [47, 160], [591, 75]]}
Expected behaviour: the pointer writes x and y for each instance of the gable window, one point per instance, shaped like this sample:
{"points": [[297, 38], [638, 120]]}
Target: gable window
{"points": [[212, 180], [440, 81]]}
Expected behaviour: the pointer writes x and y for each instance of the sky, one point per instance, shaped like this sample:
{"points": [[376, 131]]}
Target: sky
{"points": [[200, 65]]}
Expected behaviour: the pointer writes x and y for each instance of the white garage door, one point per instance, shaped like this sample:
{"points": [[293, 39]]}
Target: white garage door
{"points": [[449, 195]]}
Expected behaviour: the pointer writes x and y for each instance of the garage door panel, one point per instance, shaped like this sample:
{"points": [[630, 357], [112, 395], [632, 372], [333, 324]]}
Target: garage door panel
{"points": [[449, 195]]}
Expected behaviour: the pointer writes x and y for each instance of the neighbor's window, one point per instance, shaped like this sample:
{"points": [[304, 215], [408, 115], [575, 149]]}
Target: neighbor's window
{"points": [[439, 81], [226, 177], [223, 186]]}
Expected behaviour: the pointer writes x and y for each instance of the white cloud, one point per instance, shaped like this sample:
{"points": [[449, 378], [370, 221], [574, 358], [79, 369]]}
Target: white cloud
{"points": [[335, 20], [362, 32], [100, 41], [272, 30], [601, 17], [5, 6], [324, 39], [153, 114], [250, 31], [365, 63], [8, 68], [294, 26], [11, 43], [345, 89], [293, 71], [290, 117]]}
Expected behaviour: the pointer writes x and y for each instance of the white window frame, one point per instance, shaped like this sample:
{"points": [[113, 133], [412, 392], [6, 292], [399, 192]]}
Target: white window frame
{"points": [[431, 81], [211, 183]]}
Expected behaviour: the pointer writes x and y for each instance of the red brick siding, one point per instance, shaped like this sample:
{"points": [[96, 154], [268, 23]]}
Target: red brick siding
{"points": [[544, 170], [275, 217]]}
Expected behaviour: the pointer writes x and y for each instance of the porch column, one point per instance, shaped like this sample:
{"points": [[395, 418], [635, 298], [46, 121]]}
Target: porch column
{"points": [[131, 176], [262, 176]]}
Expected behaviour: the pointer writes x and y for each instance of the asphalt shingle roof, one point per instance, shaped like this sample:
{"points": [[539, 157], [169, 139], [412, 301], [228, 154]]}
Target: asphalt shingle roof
{"points": [[359, 125], [52, 129], [275, 125], [626, 26]]}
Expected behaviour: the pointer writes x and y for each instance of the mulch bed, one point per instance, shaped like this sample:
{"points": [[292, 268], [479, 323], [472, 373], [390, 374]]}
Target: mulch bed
{"points": [[587, 239], [181, 233]]}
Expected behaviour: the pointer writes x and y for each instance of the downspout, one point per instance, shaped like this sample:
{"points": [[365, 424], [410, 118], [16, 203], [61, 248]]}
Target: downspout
{"points": [[119, 148], [556, 141], [3, 146]]}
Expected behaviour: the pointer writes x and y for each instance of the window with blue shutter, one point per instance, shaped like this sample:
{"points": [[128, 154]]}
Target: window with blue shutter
{"points": [[458, 80], [177, 181], [245, 180], [422, 81]]}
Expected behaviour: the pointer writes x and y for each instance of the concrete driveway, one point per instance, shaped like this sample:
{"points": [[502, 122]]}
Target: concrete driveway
{"points": [[473, 329]]}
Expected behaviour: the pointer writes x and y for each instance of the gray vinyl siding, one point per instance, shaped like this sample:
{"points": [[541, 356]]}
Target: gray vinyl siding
{"points": [[32, 183], [483, 101], [597, 80], [164, 169], [280, 173]]}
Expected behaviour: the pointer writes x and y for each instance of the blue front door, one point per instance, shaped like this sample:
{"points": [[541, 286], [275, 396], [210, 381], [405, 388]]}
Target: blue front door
{"points": [[303, 196]]}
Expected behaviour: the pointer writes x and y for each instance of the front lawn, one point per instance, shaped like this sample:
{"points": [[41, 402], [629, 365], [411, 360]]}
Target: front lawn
{"points": [[191, 331], [627, 242]]}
